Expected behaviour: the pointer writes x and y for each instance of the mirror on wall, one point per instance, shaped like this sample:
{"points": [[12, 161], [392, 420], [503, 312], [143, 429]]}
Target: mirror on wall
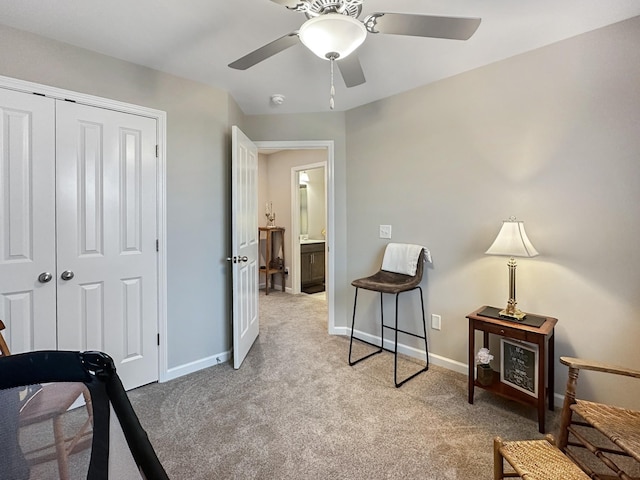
{"points": [[311, 191]]}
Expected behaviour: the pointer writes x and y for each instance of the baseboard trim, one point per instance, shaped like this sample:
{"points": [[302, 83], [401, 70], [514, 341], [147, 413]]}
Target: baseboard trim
{"points": [[411, 351], [192, 367], [438, 360]]}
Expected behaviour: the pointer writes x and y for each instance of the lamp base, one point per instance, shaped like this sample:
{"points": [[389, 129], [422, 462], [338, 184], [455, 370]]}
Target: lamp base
{"points": [[512, 312]]}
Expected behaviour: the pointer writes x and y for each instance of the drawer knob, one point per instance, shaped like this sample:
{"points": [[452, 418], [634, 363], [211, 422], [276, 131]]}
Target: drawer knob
{"points": [[501, 332]]}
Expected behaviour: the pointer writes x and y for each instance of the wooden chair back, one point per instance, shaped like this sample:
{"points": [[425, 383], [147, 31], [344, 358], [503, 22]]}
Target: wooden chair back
{"points": [[4, 348]]}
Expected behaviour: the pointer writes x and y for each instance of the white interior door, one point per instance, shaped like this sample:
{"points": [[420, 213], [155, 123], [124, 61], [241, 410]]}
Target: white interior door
{"points": [[106, 235], [244, 241], [27, 221]]}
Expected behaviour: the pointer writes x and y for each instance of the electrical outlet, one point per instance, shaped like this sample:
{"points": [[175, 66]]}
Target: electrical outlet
{"points": [[385, 231], [436, 321]]}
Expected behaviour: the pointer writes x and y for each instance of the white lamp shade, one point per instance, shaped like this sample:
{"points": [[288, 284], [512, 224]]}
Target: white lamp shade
{"points": [[332, 33], [304, 178], [512, 241]]}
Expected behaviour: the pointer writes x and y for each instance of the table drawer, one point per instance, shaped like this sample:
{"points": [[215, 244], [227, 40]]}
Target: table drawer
{"points": [[505, 331]]}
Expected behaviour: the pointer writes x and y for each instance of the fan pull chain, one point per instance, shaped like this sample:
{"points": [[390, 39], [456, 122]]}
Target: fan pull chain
{"points": [[332, 93]]}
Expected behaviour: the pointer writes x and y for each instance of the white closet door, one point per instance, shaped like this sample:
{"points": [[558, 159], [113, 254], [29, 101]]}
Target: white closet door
{"points": [[106, 232], [27, 221]]}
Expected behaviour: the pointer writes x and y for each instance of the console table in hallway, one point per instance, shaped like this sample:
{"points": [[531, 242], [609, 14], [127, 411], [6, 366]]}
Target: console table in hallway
{"points": [[274, 264]]}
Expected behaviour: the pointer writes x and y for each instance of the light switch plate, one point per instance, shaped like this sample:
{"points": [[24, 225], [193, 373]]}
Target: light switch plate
{"points": [[385, 231]]}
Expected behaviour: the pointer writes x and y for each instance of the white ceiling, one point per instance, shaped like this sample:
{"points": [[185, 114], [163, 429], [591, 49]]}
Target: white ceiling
{"points": [[197, 39]]}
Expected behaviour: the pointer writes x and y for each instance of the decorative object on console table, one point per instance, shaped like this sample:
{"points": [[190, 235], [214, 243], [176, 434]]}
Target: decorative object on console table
{"points": [[484, 370], [512, 241], [270, 214], [529, 319], [519, 366]]}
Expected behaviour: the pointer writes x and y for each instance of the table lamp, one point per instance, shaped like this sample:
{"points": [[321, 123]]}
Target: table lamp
{"points": [[512, 241]]}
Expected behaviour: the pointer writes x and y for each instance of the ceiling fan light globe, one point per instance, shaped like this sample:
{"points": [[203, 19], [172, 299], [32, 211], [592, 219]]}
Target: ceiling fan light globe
{"points": [[332, 32]]}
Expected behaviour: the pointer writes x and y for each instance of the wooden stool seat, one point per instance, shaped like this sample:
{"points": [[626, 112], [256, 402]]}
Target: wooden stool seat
{"points": [[534, 460], [59, 397]]}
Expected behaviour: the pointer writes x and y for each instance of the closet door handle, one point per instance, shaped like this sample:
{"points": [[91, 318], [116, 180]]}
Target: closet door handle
{"points": [[45, 277], [67, 275]]}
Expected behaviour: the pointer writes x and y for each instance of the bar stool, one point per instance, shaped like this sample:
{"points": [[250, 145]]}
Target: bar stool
{"points": [[401, 271]]}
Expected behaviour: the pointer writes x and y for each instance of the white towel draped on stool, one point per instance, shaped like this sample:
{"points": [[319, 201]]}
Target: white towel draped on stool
{"points": [[403, 258]]}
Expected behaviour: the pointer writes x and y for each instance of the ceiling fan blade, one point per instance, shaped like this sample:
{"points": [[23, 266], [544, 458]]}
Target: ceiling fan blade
{"points": [[266, 51], [351, 71], [287, 3], [455, 28]]}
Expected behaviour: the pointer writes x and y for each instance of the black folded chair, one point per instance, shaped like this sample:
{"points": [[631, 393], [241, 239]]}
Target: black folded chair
{"points": [[120, 448]]}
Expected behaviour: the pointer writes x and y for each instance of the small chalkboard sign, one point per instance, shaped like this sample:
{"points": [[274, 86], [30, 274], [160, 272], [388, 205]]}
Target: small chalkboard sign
{"points": [[519, 366]]}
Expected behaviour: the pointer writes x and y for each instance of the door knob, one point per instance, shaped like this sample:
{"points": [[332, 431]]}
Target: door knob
{"points": [[45, 277], [238, 259], [66, 275]]}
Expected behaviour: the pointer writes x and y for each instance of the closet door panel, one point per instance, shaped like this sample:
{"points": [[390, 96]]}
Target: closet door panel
{"points": [[27, 221], [106, 217]]}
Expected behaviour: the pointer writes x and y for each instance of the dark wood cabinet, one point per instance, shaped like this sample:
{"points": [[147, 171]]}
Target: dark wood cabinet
{"points": [[311, 264]]}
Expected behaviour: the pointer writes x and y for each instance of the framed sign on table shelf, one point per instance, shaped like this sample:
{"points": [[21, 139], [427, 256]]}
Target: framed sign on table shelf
{"points": [[519, 365]]}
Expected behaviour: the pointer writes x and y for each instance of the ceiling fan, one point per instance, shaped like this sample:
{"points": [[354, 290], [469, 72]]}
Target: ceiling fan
{"points": [[333, 32]]}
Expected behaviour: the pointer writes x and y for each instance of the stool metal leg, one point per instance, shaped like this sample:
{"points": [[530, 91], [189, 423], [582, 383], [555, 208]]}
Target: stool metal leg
{"points": [[424, 327], [395, 363], [353, 321], [397, 330]]}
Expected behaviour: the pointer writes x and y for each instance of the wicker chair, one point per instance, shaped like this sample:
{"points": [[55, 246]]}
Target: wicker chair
{"points": [[385, 281], [608, 432], [533, 460]]}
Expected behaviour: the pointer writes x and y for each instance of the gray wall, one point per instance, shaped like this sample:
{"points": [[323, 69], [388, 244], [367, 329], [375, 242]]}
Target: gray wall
{"points": [[198, 149], [552, 137]]}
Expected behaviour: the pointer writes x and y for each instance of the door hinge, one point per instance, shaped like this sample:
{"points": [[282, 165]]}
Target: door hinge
{"points": [[157, 151], [157, 245], [158, 339]]}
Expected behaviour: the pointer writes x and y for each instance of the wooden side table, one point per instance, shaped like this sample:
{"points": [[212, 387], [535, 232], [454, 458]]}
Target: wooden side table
{"points": [[542, 336], [271, 267]]}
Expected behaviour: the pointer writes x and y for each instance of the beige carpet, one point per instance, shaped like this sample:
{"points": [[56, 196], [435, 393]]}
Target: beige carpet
{"points": [[297, 410]]}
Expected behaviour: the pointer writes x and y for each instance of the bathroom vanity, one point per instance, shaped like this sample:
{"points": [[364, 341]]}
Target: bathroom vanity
{"points": [[312, 266]]}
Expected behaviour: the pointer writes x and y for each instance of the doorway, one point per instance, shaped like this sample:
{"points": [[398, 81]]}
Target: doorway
{"points": [[308, 233], [286, 201]]}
